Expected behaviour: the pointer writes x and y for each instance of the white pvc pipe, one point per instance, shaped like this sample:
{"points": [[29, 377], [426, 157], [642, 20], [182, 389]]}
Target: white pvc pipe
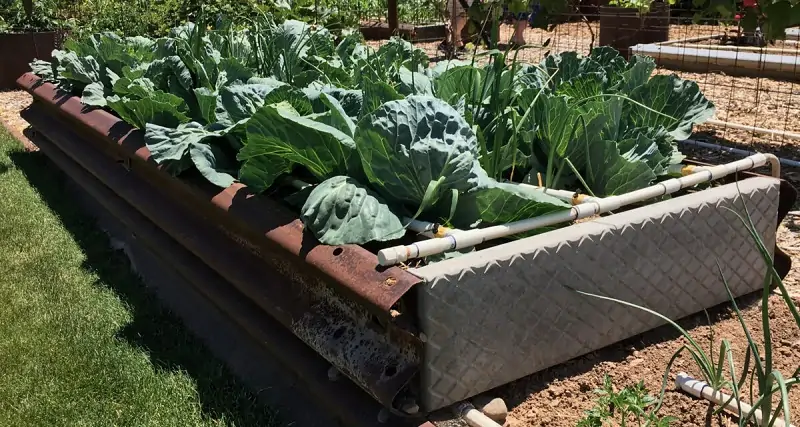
{"points": [[474, 417], [704, 391], [428, 229], [775, 132], [469, 238], [568, 196], [691, 39], [742, 48], [739, 151]]}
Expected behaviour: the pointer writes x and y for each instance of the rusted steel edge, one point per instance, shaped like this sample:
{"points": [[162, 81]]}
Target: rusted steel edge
{"points": [[299, 313], [350, 269], [787, 195], [342, 398]]}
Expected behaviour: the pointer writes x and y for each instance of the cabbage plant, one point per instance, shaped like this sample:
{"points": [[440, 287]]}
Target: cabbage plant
{"points": [[380, 134]]}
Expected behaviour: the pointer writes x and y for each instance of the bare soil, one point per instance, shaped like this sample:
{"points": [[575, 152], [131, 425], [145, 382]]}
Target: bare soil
{"points": [[11, 103], [559, 396]]}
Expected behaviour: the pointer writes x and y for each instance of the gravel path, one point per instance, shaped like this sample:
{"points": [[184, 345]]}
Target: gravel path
{"points": [[11, 103]]}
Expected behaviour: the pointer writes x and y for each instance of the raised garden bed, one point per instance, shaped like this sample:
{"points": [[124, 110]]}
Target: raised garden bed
{"points": [[662, 256], [730, 62], [411, 337], [622, 27], [381, 31], [319, 293], [17, 50]]}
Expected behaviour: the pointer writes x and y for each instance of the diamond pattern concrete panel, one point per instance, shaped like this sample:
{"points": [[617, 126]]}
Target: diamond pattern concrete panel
{"points": [[502, 313]]}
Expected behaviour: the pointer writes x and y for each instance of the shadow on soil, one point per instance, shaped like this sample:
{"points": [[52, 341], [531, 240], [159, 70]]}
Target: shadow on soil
{"points": [[153, 328]]}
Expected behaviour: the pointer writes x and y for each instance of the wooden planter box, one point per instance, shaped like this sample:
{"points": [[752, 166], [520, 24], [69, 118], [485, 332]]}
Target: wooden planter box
{"points": [[17, 50], [622, 27]]}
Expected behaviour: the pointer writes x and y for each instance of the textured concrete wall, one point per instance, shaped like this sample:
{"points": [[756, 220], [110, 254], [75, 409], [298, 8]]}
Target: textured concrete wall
{"points": [[500, 314]]}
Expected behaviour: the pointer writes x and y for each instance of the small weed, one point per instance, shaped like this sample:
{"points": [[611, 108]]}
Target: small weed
{"points": [[629, 406]]}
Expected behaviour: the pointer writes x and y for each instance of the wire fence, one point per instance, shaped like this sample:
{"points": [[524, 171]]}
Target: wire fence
{"points": [[753, 84]]}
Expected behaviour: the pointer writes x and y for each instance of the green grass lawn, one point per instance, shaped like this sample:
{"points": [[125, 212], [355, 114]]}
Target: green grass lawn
{"points": [[82, 341]]}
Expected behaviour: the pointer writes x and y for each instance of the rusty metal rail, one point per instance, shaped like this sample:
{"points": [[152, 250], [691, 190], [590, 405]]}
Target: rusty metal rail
{"points": [[348, 269], [343, 399], [332, 298]]}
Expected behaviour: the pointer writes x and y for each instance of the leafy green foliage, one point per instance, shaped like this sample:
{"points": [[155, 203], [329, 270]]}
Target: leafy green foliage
{"points": [[416, 149], [34, 15], [449, 143], [341, 211], [500, 203], [629, 404], [279, 131]]}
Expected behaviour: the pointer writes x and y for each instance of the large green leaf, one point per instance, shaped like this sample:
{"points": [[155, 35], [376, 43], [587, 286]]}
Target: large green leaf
{"points": [[560, 68], [134, 88], [162, 109], [666, 152], [169, 147], [212, 164], [563, 129], [414, 83], [94, 95], [242, 101], [609, 59], [231, 70], [336, 116], [398, 53], [415, 149], [260, 168], [43, 69], [80, 69], [351, 100], [341, 211], [678, 105], [609, 173], [461, 81], [112, 52], [638, 73], [583, 87], [207, 101], [279, 131], [375, 94], [502, 203]]}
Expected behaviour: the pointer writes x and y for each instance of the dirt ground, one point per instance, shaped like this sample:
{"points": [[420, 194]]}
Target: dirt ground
{"points": [[558, 396]]}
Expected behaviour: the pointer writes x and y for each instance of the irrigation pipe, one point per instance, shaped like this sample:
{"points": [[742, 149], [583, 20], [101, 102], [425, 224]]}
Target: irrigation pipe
{"points": [[691, 39], [775, 50], [568, 196], [473, 417], [425, 228], [775, 132], [739, 151], [470, 238], [577, 198], [704, 391]]}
